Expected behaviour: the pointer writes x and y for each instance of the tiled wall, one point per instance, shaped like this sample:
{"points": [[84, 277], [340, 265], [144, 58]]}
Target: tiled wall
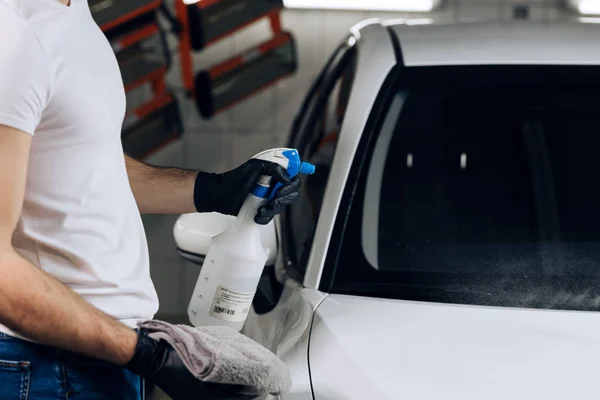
{"points": [[263, 121]]}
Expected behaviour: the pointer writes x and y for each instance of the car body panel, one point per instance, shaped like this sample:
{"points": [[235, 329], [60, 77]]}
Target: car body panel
{"points": [[394, 349], [498, 43], [376, 58], [347, 347], [286, 332]]}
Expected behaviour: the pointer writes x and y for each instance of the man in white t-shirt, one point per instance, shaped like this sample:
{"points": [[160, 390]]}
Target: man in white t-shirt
{"points": [[74, 273]]}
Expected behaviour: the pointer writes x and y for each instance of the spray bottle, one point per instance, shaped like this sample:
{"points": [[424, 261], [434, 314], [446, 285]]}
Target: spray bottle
{"points": [[235, 258]]}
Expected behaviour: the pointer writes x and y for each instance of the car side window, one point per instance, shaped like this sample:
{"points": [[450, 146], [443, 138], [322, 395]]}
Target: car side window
{"points": [[316, 141]]}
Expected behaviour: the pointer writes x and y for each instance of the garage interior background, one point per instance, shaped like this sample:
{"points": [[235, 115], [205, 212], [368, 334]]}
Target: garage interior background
{"points": [[263, 120]]}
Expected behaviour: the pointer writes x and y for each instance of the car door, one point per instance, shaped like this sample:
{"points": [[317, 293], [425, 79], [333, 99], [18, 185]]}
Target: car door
{"points": [[314, 134]]}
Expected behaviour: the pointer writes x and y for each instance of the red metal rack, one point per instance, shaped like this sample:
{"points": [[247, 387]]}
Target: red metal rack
{"points": [[204, 23], [133, 30]]}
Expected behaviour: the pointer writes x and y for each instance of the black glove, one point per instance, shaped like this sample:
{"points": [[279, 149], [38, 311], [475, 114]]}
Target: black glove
{"points": [[225, 193], [160, 364]]}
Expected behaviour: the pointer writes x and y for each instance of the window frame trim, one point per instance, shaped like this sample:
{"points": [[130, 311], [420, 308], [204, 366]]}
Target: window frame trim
{"points": [[307, 116], [378, 54], [377, 117]]}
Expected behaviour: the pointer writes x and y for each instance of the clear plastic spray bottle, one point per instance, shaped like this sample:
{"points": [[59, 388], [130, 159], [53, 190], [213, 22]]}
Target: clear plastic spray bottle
{"points": [[235, 259]]}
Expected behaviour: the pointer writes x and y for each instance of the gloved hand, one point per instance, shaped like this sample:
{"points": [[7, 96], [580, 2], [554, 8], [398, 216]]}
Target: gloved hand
{"points": [[225, 193], [160, 364]]}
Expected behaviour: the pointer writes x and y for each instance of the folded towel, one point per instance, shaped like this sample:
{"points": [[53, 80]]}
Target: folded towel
{"points": [[220, 354]]}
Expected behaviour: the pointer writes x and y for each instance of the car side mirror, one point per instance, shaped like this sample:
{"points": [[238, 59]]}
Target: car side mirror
{"points": [[193, 233]]}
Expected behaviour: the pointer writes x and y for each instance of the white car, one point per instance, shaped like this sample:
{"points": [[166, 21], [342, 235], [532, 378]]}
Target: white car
{"points": [[448, 245]]}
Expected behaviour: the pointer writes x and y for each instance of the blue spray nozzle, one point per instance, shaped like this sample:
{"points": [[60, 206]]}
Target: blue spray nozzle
{"points": [[295, 167], [307, 168], [294, 163], [287, 158]]}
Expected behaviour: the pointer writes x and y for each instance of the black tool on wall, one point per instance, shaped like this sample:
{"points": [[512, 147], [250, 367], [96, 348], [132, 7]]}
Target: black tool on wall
{"points": [[234, 80], [204, 23], [132, 28], [211, 20]]}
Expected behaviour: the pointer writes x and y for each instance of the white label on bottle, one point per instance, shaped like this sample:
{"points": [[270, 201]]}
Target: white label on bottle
{"points": [[230, 305]]}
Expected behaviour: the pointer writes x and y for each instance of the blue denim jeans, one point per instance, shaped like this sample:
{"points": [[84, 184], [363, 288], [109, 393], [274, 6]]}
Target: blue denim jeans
{"points": [[30, 371]]}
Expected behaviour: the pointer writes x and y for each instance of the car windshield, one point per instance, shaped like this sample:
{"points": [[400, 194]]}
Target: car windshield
{"points": [[480, 186]]}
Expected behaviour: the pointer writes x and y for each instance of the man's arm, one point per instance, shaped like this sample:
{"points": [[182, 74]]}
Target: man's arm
{"points": [[34, 304], [160, 190], [178, 191]]}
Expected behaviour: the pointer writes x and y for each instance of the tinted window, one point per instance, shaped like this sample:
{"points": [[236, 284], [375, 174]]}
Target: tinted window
{"points": [[316, 143], [482, 192]]}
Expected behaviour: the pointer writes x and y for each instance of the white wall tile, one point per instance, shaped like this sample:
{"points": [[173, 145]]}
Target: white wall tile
{"points": [[166, 274], [289, 96], [174, 76], [138, 96], [255, 112], [387, 15], [479, 13], [159, 231], [165, 264], [171, 155], [306, 27], [535, 2], [214, 54], [253, 35], [479, 3], [285, 117], [552, 14], [447, 12], [190, 272], [297, 86], [451, 4], [247, 144], [336, 25], [208, 151]]}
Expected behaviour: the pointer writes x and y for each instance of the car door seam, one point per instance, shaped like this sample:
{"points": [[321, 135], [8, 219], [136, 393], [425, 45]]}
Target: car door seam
{"points": [[310, 330]]}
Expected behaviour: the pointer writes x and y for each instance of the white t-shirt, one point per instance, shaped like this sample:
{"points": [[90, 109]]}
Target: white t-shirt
{"points": [[60, 82]]}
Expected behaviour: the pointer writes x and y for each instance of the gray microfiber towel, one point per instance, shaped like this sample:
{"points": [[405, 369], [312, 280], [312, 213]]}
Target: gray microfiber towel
{"points": [[220, 354]]}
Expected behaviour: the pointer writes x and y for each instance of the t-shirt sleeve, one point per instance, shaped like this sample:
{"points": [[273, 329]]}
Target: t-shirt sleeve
{"points": [[24, 75]]}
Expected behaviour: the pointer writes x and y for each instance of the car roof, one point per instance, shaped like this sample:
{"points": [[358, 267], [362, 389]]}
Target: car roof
{"points": [[499, 43]]}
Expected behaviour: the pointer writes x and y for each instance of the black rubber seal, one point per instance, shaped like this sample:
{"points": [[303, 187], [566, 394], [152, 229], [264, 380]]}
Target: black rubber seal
{"points": [[372, 128], [204, 98]]}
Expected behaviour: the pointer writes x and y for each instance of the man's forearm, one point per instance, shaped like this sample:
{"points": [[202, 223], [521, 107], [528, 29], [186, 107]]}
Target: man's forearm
{"points": [[37, 306], [160, 190]]}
